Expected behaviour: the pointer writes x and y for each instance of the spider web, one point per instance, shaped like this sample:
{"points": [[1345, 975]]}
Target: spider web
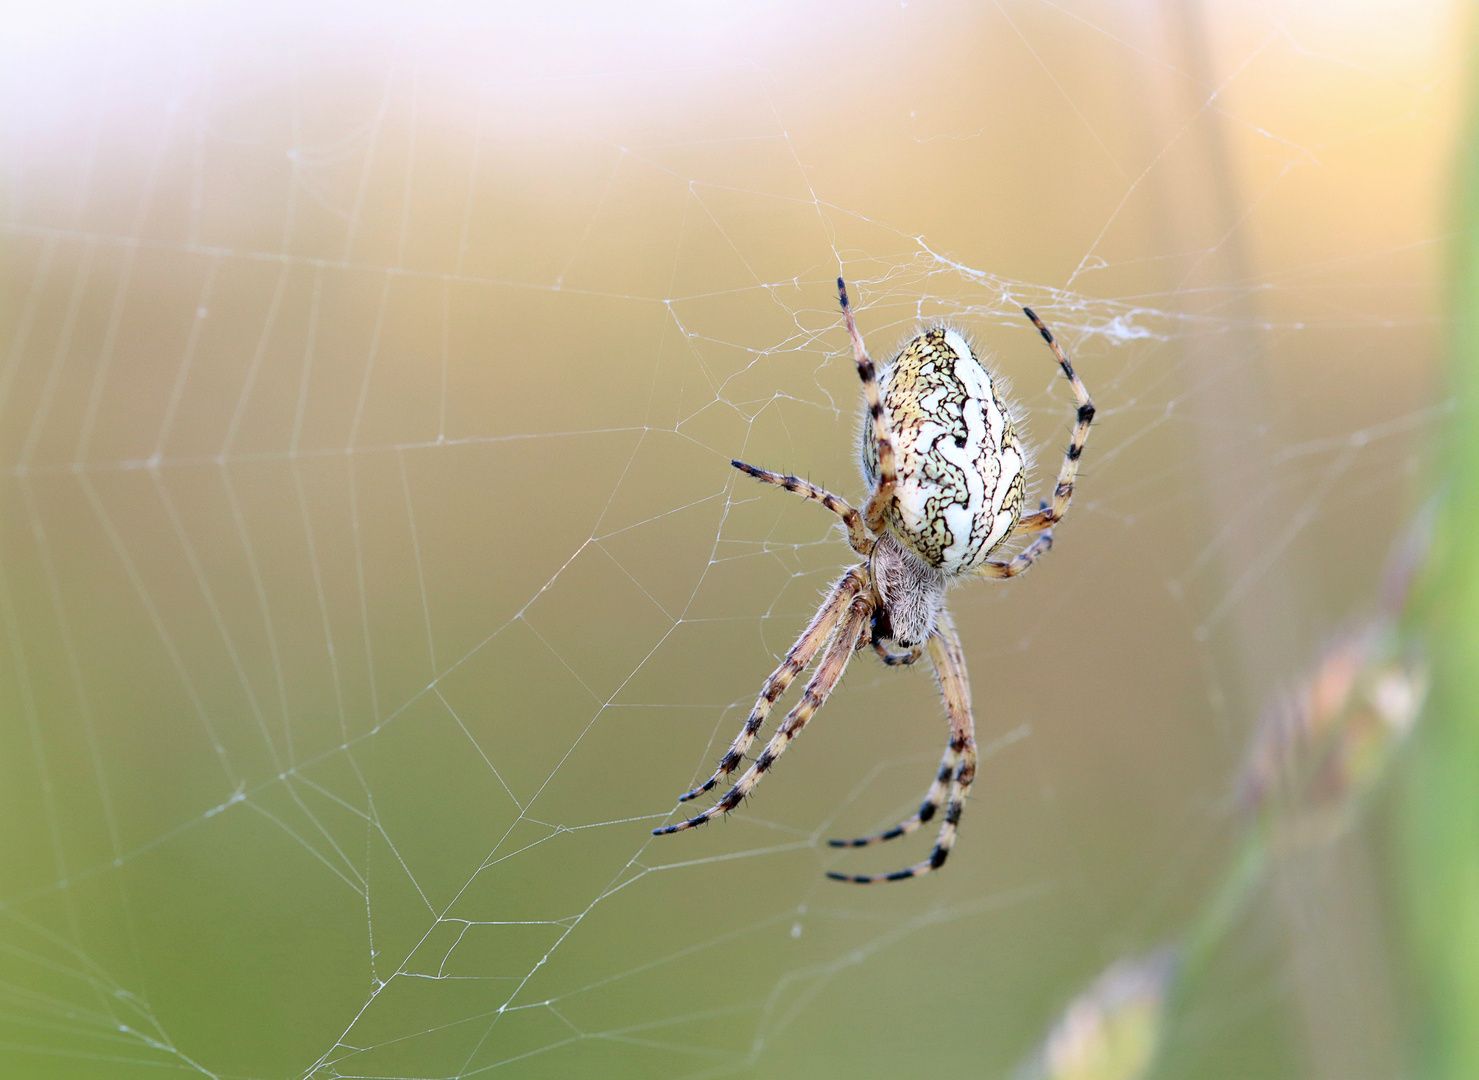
{"points": [[373, 577]]}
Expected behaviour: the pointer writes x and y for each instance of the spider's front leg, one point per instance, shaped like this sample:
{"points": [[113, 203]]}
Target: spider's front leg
{"points": [[957, 769], [933, 800], [822, 624], [850, 635]]}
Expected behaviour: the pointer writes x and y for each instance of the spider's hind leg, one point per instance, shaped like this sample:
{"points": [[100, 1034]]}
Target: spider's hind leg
{"points": [[1050, 515], [883, 494], [992, 568]]}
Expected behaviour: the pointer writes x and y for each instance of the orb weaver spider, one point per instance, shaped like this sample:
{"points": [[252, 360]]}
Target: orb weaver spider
{"points": [[946, 481]]}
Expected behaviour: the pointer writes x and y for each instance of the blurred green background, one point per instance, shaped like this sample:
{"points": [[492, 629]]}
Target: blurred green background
{"points": [[373, 578]]}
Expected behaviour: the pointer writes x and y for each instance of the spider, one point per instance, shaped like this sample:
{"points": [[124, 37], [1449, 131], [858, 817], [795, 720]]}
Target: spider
{"points": [[946, 480]]}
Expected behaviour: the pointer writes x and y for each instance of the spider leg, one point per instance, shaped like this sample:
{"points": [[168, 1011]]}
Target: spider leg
{"points": [[931, 805], [1041, 543], [955, 690], [857, 532], [1063, 492], [801, 655], [883, 495], [834, 662]]}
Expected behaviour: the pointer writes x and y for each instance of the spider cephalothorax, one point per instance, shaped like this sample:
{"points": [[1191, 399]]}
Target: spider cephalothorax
{"points": [[910, 592], [946, 480]]}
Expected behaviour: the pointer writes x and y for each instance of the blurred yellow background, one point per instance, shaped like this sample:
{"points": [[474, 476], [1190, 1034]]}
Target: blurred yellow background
{"points": [[374, 579]]}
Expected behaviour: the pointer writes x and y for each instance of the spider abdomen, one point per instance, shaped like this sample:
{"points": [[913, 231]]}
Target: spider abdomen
{"points": [[961, 471]]}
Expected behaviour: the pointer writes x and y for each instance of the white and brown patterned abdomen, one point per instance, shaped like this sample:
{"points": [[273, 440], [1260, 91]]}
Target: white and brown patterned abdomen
{"points": [[960, 466]]}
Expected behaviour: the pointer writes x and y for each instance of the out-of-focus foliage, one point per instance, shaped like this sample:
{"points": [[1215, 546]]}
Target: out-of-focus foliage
{"points": [[1112, 1030], [1442, 875], [1317, 754]]}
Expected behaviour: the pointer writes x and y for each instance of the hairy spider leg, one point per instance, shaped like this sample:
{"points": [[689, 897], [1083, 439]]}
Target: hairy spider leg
{"points": [[1063, 492], [797, 660], [857, 532], [849, 637], [955, 690], [888, 479], [992, 568]]}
